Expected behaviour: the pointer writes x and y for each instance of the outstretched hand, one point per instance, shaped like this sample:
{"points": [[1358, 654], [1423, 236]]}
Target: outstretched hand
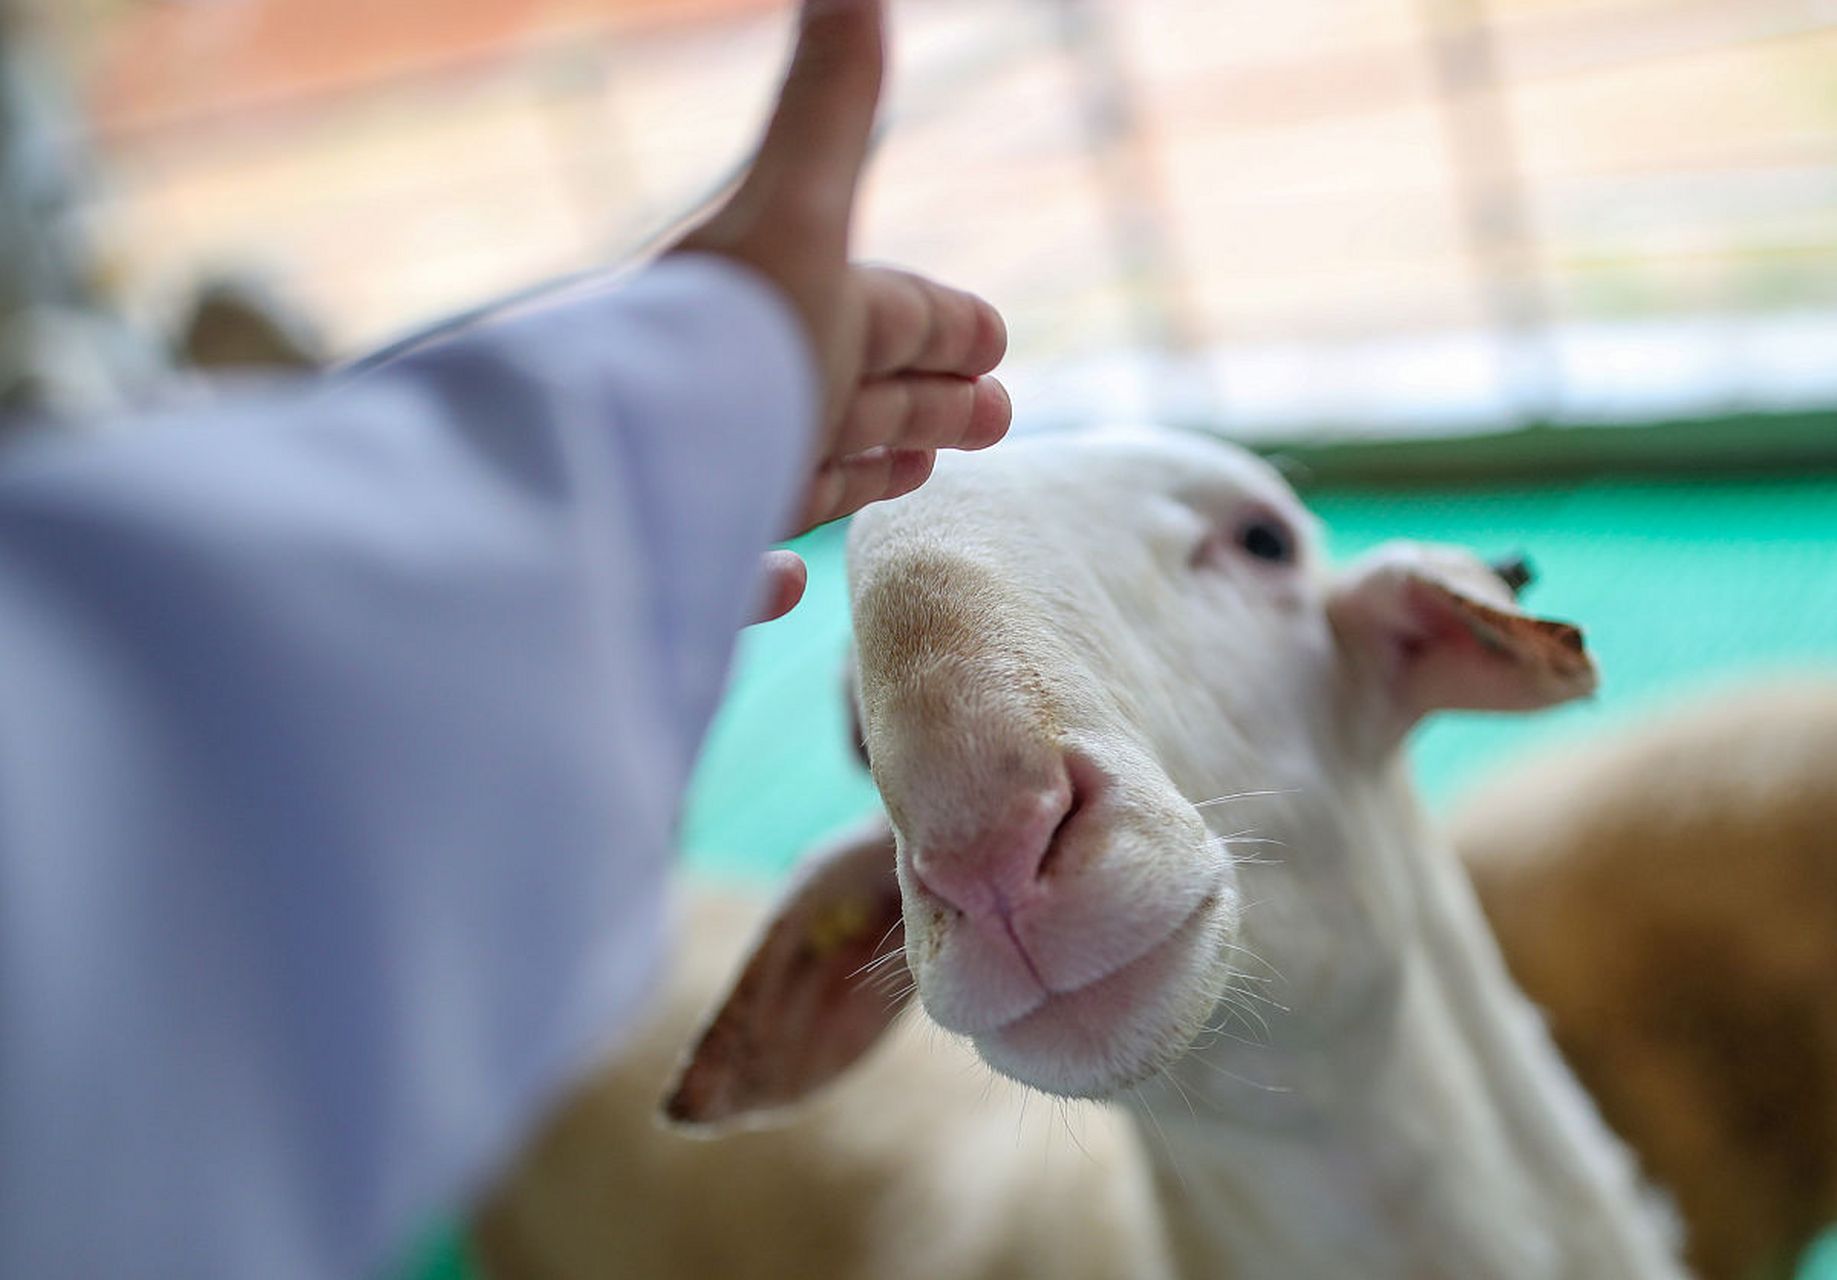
{"points": [[903, 361]]}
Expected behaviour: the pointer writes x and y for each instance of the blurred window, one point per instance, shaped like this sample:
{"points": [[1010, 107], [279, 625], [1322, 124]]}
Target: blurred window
{"points": [[1354, 215]]}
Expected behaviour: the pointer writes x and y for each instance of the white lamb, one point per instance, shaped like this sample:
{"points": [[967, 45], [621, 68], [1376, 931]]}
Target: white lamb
{"points": [[1152, 840]]}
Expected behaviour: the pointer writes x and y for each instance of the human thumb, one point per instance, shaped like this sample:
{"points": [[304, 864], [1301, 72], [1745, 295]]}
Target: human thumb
{"points": [[822, 128]]}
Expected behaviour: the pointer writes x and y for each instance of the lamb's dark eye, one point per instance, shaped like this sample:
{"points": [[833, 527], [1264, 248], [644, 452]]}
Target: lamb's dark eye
{"points": [[1267, 538]]}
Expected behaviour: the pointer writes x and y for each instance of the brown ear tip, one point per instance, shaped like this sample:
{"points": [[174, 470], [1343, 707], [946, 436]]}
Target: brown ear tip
{"points": [[690, 1101], [1572, 648], [704, 1113], [1566, 634], [675, 1108], [705, 1100]]}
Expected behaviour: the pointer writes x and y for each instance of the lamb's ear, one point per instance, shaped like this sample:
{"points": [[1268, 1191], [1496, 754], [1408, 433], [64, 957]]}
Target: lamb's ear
{"points": [[1425, 628], [811, 997]]}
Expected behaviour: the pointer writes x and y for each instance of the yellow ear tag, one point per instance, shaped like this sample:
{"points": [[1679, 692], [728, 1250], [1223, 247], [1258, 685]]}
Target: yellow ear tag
{"points": [[838, 925]]}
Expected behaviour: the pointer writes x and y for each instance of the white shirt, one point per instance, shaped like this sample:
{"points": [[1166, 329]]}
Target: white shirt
{"points": [[342, 736]]}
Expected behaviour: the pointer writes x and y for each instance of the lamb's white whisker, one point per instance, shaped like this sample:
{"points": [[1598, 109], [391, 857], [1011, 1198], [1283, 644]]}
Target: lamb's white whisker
{"points": [[1227, 1073], [878, 962], [1246, 795]]}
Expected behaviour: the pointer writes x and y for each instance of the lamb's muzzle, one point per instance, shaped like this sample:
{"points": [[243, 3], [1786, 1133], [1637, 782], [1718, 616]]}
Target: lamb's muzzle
{"points": [[1058, 892]]}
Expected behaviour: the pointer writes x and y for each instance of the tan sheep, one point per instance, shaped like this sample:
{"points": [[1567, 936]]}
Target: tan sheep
{"points": [[1668, 895]]}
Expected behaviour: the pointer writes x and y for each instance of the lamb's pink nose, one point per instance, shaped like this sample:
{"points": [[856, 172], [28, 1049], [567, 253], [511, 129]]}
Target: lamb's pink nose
{"points": [[999, 869]]}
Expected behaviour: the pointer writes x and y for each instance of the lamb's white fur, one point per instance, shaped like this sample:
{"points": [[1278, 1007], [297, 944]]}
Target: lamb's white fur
{"points": [[1333, 1073], [1398, 1110]]}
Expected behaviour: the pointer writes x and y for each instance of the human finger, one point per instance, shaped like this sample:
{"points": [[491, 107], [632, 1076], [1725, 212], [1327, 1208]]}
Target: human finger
{"points": [[925, 411], [844, 487], [786, 575], [916, 325], [823, 123]]}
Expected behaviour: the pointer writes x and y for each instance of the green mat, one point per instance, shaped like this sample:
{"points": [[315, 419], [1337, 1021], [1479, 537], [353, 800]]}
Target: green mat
{"points": [[1681, 585]]}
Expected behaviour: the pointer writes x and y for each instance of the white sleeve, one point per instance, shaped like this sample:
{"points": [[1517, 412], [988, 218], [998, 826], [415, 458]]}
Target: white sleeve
{"points": [[341, 742]]}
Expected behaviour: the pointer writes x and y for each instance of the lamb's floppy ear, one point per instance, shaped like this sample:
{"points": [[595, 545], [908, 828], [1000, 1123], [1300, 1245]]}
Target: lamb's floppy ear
{"points": [[821, 984], [1424, 628]]}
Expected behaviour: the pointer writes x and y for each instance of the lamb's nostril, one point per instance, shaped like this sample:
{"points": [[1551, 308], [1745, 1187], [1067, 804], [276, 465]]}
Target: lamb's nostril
{"points": [[1000, 865], [1072, 846], [1055, 844]]}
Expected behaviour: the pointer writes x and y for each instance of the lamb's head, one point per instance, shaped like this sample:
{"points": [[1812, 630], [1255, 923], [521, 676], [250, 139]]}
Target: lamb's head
{"points": [[1071, 653], [1048, 685]]}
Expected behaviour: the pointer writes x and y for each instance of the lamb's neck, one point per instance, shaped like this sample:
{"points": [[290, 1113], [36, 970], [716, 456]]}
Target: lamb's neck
{"points": [[1425, 1128]]}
